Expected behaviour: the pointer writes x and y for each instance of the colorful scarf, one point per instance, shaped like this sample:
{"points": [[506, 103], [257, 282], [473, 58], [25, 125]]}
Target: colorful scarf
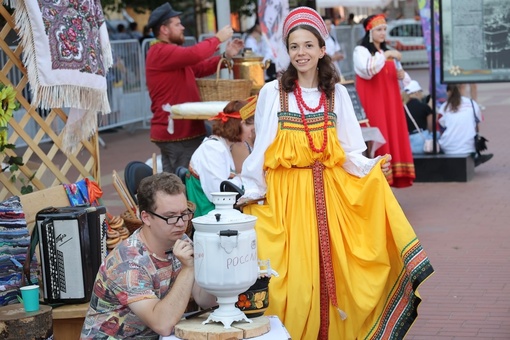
{"points": [[67, 53]]}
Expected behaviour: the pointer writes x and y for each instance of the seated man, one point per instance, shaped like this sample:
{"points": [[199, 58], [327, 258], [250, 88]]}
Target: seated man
{"points": [[144, 284]]}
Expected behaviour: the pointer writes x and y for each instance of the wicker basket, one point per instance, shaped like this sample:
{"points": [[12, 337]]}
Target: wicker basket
{"points": [[130, 222], [212, 90]]}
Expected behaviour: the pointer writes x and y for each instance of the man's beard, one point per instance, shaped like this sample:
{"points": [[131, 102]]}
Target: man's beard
{"points": [[178, 40]]}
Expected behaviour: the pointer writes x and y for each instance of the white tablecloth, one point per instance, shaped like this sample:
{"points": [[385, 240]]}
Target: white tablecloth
{"points": [[374, 135], [277, 332]]}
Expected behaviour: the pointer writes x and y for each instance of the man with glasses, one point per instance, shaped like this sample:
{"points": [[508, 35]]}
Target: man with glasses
{"points": [[143, 286]]}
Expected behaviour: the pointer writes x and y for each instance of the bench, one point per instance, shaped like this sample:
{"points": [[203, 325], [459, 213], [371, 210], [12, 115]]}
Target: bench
{"points": [[444, 168]]}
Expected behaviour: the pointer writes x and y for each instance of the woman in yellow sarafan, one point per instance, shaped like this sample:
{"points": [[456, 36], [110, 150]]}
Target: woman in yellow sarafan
{"points": [[349, 261]]}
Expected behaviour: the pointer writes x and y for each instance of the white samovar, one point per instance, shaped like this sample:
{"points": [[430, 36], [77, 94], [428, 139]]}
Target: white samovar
{"points": [[226, 262]]}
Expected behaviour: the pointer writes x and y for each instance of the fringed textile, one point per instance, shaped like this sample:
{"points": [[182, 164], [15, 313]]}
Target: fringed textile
{"points": [[67, 53]]}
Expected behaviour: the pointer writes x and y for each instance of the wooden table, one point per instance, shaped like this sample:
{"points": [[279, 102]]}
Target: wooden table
{"points": [[68, 321]]}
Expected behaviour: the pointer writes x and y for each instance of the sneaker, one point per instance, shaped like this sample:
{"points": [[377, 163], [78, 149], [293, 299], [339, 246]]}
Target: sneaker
{"points": [[480, 159]]}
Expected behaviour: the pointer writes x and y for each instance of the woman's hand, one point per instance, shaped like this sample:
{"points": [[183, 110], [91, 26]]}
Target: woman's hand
{"points": [[386, 164], [393, 54], [243, 201]]}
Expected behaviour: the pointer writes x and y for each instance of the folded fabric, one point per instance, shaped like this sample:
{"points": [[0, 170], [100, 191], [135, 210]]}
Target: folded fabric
{"points": [[14, 242], [77, 193]]}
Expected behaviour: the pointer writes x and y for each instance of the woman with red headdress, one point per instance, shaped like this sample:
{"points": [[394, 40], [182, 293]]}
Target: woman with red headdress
{"points": [[378, 73], [349, 262], [212, 162]]}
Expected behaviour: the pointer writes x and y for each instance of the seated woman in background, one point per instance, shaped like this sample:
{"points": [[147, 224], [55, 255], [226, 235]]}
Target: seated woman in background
{"points": [[422, 115], [458, 118], [241, 150], [212, 163]]}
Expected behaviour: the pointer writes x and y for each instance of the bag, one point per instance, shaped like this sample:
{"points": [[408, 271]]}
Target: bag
{"points": [[428, 143], [428, 146], [480, 143]]}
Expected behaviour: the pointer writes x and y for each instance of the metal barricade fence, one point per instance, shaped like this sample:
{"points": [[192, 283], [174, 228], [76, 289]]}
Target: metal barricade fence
{"points": [[348, 38], [126, 86]]}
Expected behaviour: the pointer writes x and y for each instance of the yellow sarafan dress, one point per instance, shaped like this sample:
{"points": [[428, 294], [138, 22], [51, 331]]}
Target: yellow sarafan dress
{"points": [[340, 243]]}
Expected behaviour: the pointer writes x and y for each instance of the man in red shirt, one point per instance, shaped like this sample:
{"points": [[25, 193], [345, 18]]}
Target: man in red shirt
{"points": [[171, 70]]}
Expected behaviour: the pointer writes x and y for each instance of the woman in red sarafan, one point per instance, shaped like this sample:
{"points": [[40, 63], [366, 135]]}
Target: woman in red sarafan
{"points": [[378, 73]]}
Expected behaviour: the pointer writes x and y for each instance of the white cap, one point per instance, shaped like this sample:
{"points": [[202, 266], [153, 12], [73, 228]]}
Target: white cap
{"points": [[412, 87]]}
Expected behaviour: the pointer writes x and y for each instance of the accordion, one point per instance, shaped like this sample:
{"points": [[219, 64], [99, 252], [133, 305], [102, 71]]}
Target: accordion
{"points": [[72, 245]]}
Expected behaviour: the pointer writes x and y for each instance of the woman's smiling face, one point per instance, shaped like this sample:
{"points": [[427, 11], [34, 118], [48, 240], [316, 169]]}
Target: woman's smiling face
{"points": [[304, 50]]}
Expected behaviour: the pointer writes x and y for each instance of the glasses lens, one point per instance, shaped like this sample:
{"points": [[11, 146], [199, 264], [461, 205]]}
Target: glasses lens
{"points": [[185, 218]]}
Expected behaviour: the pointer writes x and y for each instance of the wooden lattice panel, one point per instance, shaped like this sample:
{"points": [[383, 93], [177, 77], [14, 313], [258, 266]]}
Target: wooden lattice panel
{"points": [[36, 133]]}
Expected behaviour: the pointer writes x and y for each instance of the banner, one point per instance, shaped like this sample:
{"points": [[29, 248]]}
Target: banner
{"points": [[271, 15], [424, 6]]}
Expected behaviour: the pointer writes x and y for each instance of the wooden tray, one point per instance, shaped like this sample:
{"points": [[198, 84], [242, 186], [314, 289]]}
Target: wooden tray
{"points": [[193, 329]]}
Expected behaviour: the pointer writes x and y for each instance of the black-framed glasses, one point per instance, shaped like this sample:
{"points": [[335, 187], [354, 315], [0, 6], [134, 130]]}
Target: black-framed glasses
{"points": [[175, 219]]}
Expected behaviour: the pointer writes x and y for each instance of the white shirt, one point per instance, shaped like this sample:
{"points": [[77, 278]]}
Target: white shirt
{"points": [[333, 47], [366, 65], [213, 163], [259, 47], [458, 138], [266, 127]]}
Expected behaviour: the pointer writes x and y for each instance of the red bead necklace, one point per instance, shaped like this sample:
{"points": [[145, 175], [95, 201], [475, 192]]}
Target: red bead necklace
{"points": [[302, 105]]}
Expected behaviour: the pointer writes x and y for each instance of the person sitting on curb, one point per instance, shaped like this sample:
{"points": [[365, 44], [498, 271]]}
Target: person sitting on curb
{"points": [[422, 115], [459, 118]]}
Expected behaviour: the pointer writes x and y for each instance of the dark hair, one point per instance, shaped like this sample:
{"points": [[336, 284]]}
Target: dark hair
{"points": [[328, 75], [230, 130], [165, 182], [133, 25], [146, 30], [365, 41], [454, 97]]}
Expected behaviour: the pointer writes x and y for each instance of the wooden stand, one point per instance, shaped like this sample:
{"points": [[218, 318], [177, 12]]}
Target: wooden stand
{"points": [[194, 330], [15, 323], [68, 321]]}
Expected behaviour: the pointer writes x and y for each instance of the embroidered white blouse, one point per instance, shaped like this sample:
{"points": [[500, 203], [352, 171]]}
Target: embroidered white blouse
{"points": [[266, 126]]}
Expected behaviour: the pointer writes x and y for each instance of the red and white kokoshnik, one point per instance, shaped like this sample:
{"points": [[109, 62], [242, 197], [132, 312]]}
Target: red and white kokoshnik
{"points": [[304, 16]]}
